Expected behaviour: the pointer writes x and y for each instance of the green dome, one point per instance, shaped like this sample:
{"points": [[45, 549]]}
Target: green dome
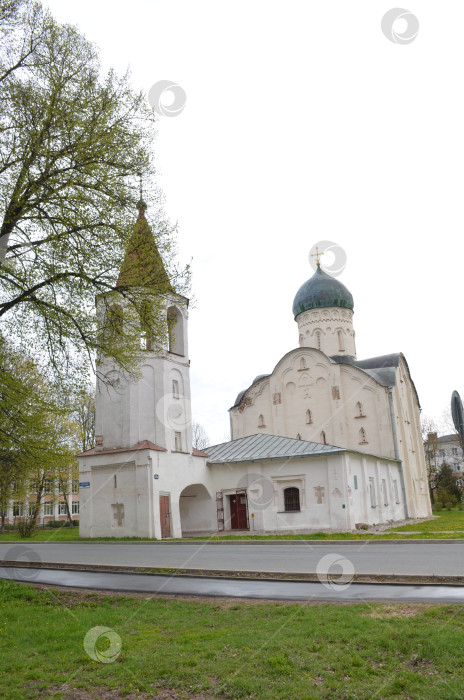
{"points": [[320, 291]]}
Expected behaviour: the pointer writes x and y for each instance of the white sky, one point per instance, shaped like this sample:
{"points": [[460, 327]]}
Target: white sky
{"points": [[303, 123]]}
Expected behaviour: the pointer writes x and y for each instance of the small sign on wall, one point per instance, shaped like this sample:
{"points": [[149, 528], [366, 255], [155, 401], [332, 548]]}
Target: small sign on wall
{"points": [[84, 484]]}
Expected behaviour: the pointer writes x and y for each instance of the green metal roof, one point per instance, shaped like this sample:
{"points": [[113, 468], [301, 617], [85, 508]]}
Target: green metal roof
{"points": [[320, 291]]}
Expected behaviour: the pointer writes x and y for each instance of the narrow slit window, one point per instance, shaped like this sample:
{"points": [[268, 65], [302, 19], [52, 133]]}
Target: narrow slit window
{"points": [[341, 346], [261, 423], [323, 438], [309, 418]]}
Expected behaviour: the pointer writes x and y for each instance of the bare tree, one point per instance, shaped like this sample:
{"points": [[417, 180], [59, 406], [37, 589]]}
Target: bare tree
{"points": [[200, 438]]}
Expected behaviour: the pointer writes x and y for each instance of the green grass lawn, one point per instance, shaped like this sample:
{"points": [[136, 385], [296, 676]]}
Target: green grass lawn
{"points": [[223, 649], [436, 528]]}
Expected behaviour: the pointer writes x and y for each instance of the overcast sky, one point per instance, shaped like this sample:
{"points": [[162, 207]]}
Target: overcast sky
{"points": [[304, 123]]}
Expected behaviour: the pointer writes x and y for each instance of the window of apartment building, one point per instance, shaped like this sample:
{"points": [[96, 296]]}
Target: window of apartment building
{"points": [[457, 468], [18, 510], [441, 453], [458, 482], [48, 508], [48, 485], [75, 508], [75, 485], [62, 509], [454, 450]]}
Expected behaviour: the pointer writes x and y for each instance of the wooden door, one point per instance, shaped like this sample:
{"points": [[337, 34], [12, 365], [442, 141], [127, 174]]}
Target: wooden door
{"points": [[165, 516], [238, 511]]}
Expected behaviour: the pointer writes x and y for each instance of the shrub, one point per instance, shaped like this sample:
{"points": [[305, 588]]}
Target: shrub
{"points": [[58, 523], [26, 527], [449, 505], [438, 505], [447, 497]]}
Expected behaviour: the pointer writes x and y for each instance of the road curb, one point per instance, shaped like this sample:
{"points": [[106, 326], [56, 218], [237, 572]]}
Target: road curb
{"points": [[391, 579], [241, 542]]}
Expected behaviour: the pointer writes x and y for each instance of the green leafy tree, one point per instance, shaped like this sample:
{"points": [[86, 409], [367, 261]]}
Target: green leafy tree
{"points": [[72, 142], [35, 435], [446, 483]]}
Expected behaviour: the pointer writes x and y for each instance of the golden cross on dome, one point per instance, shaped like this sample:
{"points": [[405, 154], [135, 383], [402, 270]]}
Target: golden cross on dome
{"points": [[318, 255]]}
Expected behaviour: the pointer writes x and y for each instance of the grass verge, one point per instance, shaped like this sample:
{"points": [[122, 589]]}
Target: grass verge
{"points": [[223, 649]]}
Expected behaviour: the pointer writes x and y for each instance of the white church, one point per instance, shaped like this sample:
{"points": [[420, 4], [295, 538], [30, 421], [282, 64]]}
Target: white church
{"points": [[326, 441]]}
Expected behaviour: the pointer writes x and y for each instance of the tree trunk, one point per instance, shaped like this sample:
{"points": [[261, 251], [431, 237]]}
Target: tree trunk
{"points": [[65, 496]]}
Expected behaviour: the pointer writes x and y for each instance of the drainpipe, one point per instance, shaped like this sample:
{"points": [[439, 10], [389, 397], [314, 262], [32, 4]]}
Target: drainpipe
{"points": [[395, 443]]}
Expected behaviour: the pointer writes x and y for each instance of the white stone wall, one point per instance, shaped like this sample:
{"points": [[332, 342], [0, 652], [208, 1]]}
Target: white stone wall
{"points": [[410, 445], [149, 408], [343, 402], [330, 330]]}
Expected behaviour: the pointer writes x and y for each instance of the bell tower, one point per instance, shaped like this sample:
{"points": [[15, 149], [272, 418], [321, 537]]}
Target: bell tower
{"points": [[155, 406]]}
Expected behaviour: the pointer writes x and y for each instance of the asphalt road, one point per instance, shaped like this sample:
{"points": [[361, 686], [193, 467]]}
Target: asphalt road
{"points": [[440, 559], [272, 590]]}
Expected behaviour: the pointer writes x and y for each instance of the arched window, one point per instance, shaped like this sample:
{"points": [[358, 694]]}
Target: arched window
{"points": [[302, 363], [341, 346], [292, 499], [298, 436], [261, 423], [323, 438], [114, 321], [301, 340], [359, 410], [309, 418], [318, 340], [147, 323], [176, 332], [362, 437]]}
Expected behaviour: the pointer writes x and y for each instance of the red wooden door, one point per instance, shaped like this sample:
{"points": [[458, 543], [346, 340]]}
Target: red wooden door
{"points": [[238, 511], [165, 516]]}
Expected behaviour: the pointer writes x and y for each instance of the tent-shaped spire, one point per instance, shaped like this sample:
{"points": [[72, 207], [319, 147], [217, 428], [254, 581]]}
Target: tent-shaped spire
{"points": [[142, 265]]}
